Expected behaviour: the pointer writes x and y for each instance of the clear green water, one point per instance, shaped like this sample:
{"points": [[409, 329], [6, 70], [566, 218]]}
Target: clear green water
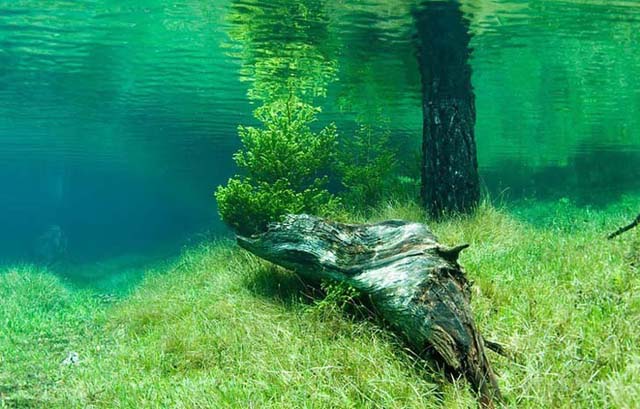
{"points": [[118, 119]]}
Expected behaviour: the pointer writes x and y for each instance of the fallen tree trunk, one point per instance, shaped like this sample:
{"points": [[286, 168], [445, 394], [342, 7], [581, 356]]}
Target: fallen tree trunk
{"points": [[415, 283], [625, 228]]}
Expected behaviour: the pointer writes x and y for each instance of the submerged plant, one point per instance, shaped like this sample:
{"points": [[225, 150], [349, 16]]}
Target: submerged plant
{"points": [[367, 166], [284, 164]]}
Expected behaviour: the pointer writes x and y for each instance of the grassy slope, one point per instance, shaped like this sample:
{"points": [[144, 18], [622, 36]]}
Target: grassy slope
{"points": [[41, 322], [222, 329]]}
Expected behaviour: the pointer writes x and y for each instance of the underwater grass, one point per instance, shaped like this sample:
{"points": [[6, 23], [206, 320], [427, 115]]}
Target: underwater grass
{"points": [[225, 329], [42, 321], [221, 328]]}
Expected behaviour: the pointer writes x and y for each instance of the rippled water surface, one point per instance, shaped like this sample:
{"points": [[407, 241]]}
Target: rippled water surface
{"points": [[118, 119]]}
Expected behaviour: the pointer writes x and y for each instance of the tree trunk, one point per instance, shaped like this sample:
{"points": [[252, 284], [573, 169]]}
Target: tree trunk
{"points": [[415, 283], [450, 181]]}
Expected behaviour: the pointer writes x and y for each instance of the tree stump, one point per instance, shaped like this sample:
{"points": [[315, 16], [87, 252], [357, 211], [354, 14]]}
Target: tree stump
{"points": [[415, 283]]}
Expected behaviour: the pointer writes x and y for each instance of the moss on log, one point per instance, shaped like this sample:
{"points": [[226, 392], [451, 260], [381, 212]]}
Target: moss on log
{"points": [[415, 283]]}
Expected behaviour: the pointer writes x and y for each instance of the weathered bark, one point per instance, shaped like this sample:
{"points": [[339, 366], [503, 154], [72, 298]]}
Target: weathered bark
{"points": [[626, 228], [450, 181], [415, 283]]}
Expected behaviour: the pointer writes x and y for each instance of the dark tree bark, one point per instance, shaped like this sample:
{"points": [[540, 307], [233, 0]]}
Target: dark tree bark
{"points": [[450, 181], [414, 282]]}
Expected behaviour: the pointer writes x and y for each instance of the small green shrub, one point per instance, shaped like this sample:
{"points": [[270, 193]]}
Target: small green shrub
{"points": [[367, 167], [284, 164], [337, 297]]}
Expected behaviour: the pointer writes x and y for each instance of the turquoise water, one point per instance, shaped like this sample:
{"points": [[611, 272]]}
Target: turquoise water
{"points": [[118, 120]]}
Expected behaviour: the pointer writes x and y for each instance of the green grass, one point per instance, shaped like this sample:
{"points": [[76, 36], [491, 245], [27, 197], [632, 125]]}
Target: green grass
{"points": [[220, 328], [41, 322]]}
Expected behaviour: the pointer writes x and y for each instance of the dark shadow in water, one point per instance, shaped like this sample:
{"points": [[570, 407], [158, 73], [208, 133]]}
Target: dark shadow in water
{"points": [[277, 284], [596, 177]]}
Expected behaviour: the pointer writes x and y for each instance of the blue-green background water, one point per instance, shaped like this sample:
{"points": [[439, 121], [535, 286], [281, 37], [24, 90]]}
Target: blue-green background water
{"points": [[118, 119]]}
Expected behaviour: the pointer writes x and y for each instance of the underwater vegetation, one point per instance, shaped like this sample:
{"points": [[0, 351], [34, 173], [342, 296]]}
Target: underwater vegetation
{"points": [[220, 328], [367, 167], [285, 166], [286, 169]]}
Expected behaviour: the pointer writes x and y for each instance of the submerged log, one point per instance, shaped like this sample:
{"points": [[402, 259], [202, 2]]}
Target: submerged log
{"points": [[624, 229], [415, 283]]}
